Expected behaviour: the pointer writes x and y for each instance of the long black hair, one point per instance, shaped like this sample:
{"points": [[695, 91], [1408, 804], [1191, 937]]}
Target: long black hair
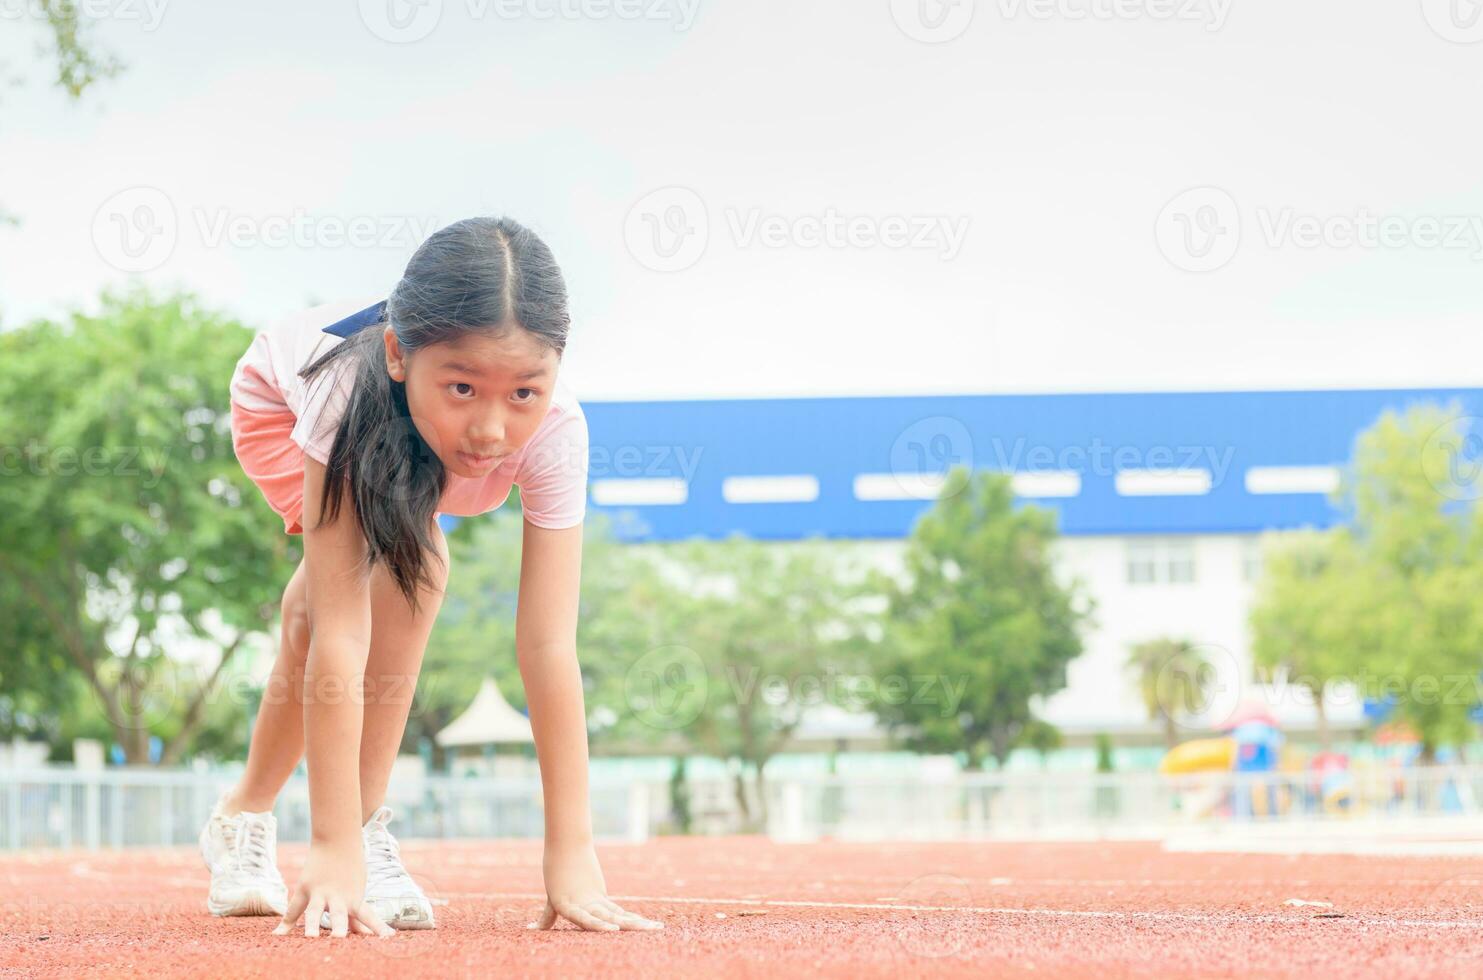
{"points": [[476, 275]]}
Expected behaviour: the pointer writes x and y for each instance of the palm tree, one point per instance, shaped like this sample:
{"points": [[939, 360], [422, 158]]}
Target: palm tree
{"points": [[1173, 679]]}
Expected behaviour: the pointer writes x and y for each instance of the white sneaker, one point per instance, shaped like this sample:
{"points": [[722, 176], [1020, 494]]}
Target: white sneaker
{"points": [[389, 889], [241, 852]]}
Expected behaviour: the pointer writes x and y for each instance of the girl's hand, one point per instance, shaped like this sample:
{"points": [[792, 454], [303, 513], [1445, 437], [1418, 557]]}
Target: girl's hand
{"points": [[333, 881], [575, 891]]}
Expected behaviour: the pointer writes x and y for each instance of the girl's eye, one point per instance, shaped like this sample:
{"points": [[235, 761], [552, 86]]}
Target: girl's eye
{"points": [[462, 384], [529, 391]]}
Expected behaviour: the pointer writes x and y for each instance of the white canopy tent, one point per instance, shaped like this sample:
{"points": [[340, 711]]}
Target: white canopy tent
{"points": [[489, 720]]}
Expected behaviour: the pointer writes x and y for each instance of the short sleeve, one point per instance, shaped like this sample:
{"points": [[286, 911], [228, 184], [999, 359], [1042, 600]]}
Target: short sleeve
{"points": [[325, 398], [552, 474]]}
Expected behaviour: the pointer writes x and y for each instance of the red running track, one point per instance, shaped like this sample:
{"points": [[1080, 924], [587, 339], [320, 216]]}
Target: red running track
{"points": [[748, 907]]}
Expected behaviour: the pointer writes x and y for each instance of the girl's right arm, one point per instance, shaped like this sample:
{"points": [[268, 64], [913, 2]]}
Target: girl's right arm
{"points": [[334, 875]]}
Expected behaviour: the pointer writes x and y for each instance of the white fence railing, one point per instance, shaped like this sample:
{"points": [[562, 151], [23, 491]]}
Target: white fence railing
{"points": [[1079, 805], [62, 808], [65, 808]]}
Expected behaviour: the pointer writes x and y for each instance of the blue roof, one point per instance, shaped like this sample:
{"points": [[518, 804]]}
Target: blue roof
{"points": [[1095, 436]]}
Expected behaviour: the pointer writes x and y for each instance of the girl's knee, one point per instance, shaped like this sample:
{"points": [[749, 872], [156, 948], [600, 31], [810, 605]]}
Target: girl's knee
{"points": [[295, 610]]}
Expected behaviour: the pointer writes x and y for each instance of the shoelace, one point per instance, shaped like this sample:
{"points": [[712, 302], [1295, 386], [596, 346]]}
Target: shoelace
{"points": [[383, 853], [251, 845]]}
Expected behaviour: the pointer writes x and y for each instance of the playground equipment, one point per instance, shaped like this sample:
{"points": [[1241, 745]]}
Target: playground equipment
{"points": [[1199, 755]]}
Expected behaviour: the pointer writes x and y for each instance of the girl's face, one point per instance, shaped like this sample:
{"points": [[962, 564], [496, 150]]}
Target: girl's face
{"points": [[480, 395]]}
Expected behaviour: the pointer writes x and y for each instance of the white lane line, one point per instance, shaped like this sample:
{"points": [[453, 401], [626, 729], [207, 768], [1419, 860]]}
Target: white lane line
{"points": [[81, 869], [1223, 917]]}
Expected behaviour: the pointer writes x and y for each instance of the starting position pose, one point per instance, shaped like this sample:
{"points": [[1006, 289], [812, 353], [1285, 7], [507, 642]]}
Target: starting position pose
{"points": [[361, 430]]}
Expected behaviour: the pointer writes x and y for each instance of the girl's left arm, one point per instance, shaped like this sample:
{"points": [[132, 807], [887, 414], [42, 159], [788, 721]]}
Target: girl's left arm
{"points": [[546, 647]]}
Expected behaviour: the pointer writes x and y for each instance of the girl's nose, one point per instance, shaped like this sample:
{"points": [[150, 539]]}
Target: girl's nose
{"points": [[488, 433]]}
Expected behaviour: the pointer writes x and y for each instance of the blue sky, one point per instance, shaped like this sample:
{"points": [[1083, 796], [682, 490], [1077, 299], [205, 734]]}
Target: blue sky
{"points": [[1025, 200]]}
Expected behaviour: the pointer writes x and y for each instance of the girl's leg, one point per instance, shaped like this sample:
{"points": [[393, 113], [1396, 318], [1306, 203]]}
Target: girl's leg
{"points": [[398, 639], [278, 735]]}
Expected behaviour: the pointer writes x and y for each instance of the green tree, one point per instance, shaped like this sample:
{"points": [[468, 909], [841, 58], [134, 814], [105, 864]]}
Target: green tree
{"points": [[1387, 599], [1173, 679], [745, 638], [981, 607], [129, 534], [1042, 738], [1411, 493], [474, 636], [1313, 590]]}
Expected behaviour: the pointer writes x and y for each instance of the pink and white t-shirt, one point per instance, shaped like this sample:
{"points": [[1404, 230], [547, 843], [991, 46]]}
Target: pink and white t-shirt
{"points": [[550, 469]]}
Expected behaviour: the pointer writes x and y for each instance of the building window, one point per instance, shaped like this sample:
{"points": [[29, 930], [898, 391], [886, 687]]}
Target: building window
{"points": [[1142, 558], [1251, 559], [1161, 560], [1180, 558]]}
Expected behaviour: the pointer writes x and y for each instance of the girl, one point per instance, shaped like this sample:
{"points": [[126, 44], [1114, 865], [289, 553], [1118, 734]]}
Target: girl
{"points": [[442, 398]]}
